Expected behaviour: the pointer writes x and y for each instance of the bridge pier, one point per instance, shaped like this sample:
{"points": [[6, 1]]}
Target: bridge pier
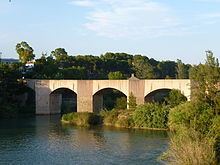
{"points": [[136, 87], [42, 93], [84, 97], [55, 103], [97, 102]]}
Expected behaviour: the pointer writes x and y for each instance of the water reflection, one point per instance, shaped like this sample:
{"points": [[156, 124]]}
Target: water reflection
{"points": [[44, 140]]}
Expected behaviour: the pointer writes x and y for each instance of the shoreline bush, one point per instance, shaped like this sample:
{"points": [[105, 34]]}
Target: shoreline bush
{"points": [[81, 119], [151, 115], [196, 134], [148, 116], [188, 146], [117, 118]]}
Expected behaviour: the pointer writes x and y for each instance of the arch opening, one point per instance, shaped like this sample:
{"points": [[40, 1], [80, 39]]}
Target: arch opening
{"points": [[109, 98], [158, 95], [63, 100]]}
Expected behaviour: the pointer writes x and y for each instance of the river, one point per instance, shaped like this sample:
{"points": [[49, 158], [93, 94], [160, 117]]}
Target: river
{"points": [[44, 140]]}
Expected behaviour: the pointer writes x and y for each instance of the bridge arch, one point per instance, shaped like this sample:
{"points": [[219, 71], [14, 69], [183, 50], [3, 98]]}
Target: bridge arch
{"points": [[62, 100], [107, 98], [158, 95], [62, 87], [120, 85]]}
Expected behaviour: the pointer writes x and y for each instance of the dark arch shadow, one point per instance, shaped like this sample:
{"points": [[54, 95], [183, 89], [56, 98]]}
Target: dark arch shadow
{"points": [[109, 98], [157, 95], [63, 100]]}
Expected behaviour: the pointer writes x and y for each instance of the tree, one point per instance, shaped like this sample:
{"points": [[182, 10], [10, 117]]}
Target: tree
{"points": [[167, 69], [143, 69], [182, 70], [115, 75], [25, 52], [205, 82], [60, 54]]}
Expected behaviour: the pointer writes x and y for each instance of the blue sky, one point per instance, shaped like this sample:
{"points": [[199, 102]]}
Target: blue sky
{"points": [[159, 29]]}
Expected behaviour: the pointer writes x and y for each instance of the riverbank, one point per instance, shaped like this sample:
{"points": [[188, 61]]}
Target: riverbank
{"points": [[194, 125], [150, 116]]}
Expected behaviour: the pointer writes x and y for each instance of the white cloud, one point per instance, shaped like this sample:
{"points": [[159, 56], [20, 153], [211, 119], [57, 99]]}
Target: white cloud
{"points": [[132, 19], [83, 3], [139, 18]]}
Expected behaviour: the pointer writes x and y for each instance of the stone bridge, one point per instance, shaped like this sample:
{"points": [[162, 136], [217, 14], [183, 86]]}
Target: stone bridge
{"points": [[88, 95]]}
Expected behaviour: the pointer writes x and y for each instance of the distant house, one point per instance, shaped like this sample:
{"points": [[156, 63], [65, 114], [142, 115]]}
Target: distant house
{"points": [[30, 64]]}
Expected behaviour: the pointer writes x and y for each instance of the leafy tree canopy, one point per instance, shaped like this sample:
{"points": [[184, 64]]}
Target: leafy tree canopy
{"points": [[25, 52]]}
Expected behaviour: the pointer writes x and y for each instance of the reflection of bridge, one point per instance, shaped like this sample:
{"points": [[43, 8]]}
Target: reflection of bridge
{"points": [[88, 95]]}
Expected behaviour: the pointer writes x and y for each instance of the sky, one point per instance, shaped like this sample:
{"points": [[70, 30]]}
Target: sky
{"points": [[159, 29]]}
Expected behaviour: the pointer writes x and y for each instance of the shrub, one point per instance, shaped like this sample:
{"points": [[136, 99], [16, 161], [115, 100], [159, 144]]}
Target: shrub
{"points": [[115, 75], [109, 117], [132, 102], [215, 132], [191, 115], [175, 98], [117, 118], [121, 103], [125, 119], [196, 140], [190, 147], [82, 118], [151, 115]]}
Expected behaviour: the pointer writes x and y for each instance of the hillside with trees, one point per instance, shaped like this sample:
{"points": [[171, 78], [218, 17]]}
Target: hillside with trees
{"points": [[60, 65]]}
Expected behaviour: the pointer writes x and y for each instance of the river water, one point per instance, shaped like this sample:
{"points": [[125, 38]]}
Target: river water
{"points": [[44, 140]]}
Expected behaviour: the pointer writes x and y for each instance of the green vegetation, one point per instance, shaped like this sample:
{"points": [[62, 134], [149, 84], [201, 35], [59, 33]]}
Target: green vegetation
{"points": [[121, 103], [148, 116], [205, 82], [187, 146], [115, 75], [81, 119], [196, 138], [151, 115], [192, 115], [60, 65], [15, 97], [197, 123], [117, 118], [174, 98], [182, 70], [132, 102], [25, 52]]}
